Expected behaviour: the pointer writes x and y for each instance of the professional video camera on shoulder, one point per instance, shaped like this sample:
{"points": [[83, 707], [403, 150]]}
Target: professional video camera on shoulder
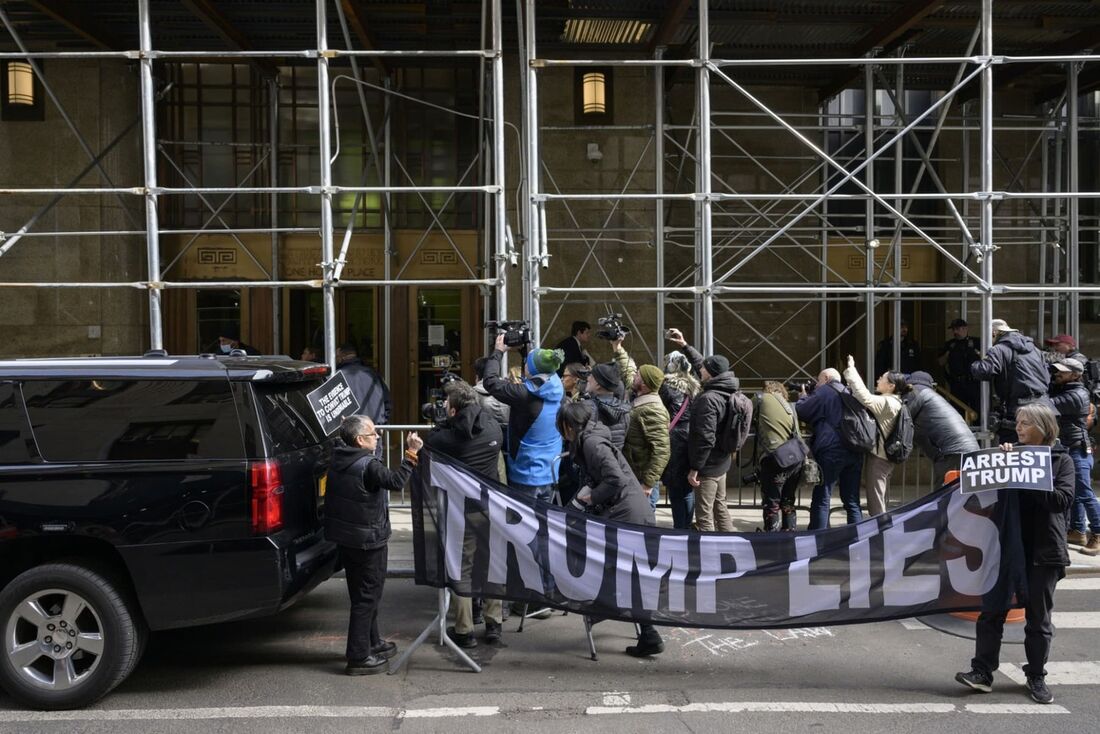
{"points": [[435, 410], [516, 333], [795, 388], [611, 327]]}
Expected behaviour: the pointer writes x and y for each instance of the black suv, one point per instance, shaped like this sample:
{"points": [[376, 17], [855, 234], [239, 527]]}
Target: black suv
{"points": [[148, 493]]}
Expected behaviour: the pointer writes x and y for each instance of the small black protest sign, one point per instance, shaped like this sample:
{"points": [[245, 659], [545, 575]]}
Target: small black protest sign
{"points": [[1025, 467], [332, 402]]}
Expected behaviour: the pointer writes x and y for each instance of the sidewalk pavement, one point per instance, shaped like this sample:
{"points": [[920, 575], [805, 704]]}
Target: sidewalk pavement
{"points": [[744, 521]]}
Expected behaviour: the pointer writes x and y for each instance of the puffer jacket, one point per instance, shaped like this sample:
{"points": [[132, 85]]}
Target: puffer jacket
{"points": [[1017, 370], [884, 408], [1044, 516], [1071, 400], [823, 410], [356, 505], [616, 494], [707, 412], [534, 443], [678, 388], [938, 429], [647, 443], [491, 405], [610, 411]]}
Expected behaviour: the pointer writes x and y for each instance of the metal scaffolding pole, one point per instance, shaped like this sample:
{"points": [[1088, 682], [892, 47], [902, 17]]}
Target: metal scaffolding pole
{"points": [[500, 202], [324, 108], [1073, 240], [273, 202], [149, 154], [869, 220], [532, 258], [388, 253], [703, 184], [659, 188], [986, 204]]}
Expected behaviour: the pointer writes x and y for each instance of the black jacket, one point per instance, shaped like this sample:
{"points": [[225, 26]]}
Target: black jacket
{"points": [[910, 356], [612, 412], [674, 394], [356, 513], [369, 389], [573, 353], [1071, 400], [938, 429], [473, 436], [616, 494], [961, 353], [1018, 372], [1044, 516], [707, 412]]}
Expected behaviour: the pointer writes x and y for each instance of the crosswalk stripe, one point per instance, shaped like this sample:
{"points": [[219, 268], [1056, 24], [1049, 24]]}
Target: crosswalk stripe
{"points": [[827, 707], [1087, 583], [1077, 620], [1085, 673]]}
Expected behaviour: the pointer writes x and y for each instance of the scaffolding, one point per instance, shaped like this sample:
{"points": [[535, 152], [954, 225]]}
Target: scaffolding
{"points": [[690, 205]]}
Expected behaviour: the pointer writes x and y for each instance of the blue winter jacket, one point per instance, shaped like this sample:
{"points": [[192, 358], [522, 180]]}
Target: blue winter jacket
{"points": [[823, 409], [534, 443]]}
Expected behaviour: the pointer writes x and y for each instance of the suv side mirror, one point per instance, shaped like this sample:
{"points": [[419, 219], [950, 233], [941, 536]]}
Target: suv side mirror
{"points": [[237, 353]]}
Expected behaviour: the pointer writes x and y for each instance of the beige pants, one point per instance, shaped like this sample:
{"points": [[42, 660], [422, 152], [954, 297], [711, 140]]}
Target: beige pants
{"points": [[876, 478], [711, 512], [464, 612]]}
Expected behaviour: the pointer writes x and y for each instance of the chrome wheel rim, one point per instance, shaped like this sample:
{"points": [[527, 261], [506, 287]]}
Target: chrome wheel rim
{"points": [[54, 639]]}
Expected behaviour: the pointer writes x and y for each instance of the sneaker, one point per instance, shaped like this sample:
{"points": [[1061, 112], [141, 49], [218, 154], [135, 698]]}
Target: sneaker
{"points": [[462, 639], [371, 665], [1037, 687], [1092, 548], [492, 631], [1077, 537], [976, 680], [384, 649]]}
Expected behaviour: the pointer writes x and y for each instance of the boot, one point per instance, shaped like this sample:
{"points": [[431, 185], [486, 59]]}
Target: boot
{"points": [[790, 519], [1092, 548], [1076, 537], [649, 643]]}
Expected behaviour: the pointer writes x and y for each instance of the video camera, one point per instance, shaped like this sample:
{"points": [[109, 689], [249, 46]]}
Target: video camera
{"points": [[435, 410], [516, 333], [795, 388], [611, 327]]}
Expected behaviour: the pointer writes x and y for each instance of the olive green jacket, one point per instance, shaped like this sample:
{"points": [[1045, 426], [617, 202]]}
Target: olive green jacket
{"points": [[647, 447]]}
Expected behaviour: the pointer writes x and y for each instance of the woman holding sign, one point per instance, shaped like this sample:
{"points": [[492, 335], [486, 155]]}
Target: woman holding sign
{"points": [[1043, 519], [885, 408]]}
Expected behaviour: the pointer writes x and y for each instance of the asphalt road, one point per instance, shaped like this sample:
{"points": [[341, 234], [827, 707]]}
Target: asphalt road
{"points": [[284, 674]]}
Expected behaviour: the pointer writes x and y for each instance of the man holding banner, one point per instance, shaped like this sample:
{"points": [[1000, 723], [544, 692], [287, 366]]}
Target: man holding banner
{"points": [[1043, 514]]}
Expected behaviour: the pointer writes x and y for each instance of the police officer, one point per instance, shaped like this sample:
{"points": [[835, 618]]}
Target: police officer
{"points": [[956, 356]]}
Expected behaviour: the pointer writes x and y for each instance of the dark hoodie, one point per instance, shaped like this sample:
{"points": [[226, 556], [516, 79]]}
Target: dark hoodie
{"points": [[356, 513], [675, 391], [1017, 370], [473, 436], [707, 412]]}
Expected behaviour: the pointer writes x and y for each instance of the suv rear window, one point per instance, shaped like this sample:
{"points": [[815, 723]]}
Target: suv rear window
{"points": [[116, 420], [291, 423]]}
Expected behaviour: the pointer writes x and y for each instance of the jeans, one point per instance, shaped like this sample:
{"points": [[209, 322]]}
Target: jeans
{"points": [[682, 500], [544, 492], [1038, 630], [845, 466], [1085, 505], [366, 576], [654, 496]]}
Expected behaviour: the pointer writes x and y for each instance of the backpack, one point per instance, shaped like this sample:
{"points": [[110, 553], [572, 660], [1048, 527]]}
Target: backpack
{"points": [[899, 443], [733, 428], [858, 429], [1091, 380]]}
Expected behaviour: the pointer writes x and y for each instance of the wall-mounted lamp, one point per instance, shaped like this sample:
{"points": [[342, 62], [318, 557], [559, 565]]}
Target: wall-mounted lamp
{"points": [[592, 96], [20, 92]]}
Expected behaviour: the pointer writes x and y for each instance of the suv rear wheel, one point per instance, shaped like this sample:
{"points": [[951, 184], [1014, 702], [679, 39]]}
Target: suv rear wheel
{"points": [[69, 636]]}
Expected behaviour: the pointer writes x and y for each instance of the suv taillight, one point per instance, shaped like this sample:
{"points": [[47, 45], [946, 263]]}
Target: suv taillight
{"points": [[267, 497]]}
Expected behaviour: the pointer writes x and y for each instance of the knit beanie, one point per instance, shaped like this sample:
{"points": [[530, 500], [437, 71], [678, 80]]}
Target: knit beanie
{"points": [[716, 364], [652, 376], [607, 376], [544, 361]]}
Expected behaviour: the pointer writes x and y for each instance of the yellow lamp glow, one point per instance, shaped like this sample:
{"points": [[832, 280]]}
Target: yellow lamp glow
{"points": [[20, 83], [595, 90]]}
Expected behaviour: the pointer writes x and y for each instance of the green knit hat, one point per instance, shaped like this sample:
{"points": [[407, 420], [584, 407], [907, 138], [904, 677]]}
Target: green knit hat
{"points": [[652, 376], [544, 361]]}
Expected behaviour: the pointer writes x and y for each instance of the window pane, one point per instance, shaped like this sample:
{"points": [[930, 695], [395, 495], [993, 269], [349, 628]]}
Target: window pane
{"points": [[114, 420], [13, 445]]}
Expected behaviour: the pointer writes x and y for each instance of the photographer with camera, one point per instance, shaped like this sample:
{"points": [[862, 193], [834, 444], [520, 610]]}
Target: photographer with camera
{"points": [[784, 452], [677, 391], [605, 406], [609, 491], [1019, 375], [823, 409], [472, 436], [574, 379], [646, 445], [533, 441]]}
